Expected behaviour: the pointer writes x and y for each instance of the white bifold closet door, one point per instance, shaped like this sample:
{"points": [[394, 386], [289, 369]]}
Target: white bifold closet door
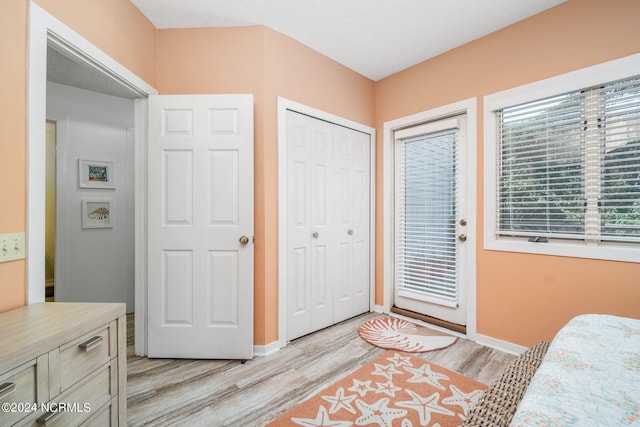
{"points": [[328, 224]]}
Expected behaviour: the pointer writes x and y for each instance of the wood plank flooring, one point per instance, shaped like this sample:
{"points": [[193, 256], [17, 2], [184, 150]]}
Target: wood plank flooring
{"points": [[227, 393]]}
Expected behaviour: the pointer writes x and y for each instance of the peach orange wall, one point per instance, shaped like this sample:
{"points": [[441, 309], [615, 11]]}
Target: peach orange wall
{"points": [[224, 60], [524, 298], [13, 104], [295, 72], [300, 74], [267, 64], [116, 27]]}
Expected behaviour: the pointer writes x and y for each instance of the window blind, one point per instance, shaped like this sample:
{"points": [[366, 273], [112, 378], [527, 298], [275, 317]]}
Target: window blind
{"points": [[569, 165], [426, 250]]}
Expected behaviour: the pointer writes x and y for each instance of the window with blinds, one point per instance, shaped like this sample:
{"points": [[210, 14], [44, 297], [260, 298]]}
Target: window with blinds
{"points": [[426, 250], [569, 166]]}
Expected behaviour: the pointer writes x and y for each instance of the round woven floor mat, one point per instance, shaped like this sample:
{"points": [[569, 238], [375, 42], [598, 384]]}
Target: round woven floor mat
{"points": [[398, 334]]}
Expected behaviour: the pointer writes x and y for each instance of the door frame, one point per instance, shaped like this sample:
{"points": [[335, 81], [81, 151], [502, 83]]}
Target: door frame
{"points": [[284, 105], [469, 107], [45, 29]]}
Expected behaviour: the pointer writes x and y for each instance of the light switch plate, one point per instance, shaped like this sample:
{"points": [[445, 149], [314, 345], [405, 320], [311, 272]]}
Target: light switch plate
{"points": [[11, 246]]}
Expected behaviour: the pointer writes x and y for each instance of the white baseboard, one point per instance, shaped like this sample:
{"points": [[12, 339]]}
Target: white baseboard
{"points": [[266, 350], [499, 344], [379, 309], [508, 347], [485, 340]]}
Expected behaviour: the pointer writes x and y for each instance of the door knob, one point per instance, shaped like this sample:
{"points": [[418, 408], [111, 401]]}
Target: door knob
{"points": [[244, 240], [315, 235], [350, 232], [463, 222], [462, 237]]}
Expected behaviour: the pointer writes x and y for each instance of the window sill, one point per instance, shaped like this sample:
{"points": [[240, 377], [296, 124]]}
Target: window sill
{"points": [[607, 252]]}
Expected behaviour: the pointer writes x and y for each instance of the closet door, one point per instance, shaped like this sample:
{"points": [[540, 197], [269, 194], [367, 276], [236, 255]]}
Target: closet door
{"points": [[328, 224], [352, 223], [310, 241]]}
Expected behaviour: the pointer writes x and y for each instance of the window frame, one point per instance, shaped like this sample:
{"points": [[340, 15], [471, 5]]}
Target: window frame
{"points": [[601, 73]]}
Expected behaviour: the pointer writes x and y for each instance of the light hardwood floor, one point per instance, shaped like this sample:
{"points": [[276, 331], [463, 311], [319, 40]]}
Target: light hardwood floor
{"points": [[228, 393]]}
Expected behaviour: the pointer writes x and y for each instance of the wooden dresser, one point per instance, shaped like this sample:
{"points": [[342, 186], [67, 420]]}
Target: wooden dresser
{"points": [[63, 364]]}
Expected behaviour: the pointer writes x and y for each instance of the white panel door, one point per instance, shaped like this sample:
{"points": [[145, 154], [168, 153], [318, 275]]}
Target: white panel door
{"points": [[328, 224], [352, 223], [200, 226], [310, 248]]}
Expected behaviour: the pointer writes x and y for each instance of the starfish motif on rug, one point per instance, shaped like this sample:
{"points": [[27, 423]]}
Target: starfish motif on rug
{"points": [[399, 360], [340, 401], [424, 374], [388, 388], [378, 413], [321, 420], [361, 387], [425, 406], [387, 371], [465, 400]]}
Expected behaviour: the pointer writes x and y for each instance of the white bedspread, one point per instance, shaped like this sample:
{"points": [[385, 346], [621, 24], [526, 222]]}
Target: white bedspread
{"points": [[590, 376]]}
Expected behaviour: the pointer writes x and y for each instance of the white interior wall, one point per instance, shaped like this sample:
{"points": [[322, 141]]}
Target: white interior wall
{"points": [[50, 202], [93, 264]]}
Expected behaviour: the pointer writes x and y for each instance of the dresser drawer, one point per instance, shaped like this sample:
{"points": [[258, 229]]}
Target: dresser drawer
{"points": [[82, 401], [19, 388], [105, 416], [83, 355], [63, 364]]}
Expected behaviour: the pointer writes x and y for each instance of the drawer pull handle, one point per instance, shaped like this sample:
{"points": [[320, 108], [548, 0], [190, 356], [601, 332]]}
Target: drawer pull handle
{"points": [[48, 417], [91, 343], [6, 389]]}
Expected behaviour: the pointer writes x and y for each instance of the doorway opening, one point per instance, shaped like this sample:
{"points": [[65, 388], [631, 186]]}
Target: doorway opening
{"points": [[91, 227], [429, 217], [45, 31]]}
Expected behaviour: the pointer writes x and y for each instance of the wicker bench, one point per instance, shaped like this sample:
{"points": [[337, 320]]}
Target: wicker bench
{"points": [[498, 405]]}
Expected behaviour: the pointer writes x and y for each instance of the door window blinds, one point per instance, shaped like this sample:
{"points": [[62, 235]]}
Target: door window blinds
{"points": [[569, 165], [426, 249]]}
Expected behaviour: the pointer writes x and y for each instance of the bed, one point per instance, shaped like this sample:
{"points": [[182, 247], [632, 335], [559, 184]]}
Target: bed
{"points": [[588, 376]]}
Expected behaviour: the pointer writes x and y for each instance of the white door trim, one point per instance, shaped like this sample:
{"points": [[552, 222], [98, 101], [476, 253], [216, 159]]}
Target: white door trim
{"points": [[44, 28], [468, 107], [284, 105], [140, 118]]}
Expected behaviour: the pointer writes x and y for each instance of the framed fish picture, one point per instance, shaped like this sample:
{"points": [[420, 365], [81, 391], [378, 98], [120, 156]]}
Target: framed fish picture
{"points": [[96, 214], [95, 174]]}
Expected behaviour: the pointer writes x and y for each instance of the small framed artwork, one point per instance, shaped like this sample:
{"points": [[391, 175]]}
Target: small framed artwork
{"points": [[96, 214], [95, 174]]}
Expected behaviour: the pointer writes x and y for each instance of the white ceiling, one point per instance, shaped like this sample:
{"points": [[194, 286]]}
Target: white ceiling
{"points": [[63, 69], [375, 38]]}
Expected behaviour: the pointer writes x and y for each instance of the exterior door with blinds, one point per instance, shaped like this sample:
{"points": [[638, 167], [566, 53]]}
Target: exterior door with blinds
{"points": [[430, 224]]}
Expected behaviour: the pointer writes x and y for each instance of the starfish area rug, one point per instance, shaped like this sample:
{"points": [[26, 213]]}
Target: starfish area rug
{"points": [[395, 390]]}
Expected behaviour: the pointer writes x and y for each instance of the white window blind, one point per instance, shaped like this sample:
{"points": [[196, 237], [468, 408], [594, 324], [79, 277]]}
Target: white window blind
{"points": [[569, 166], [426, 250]]}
